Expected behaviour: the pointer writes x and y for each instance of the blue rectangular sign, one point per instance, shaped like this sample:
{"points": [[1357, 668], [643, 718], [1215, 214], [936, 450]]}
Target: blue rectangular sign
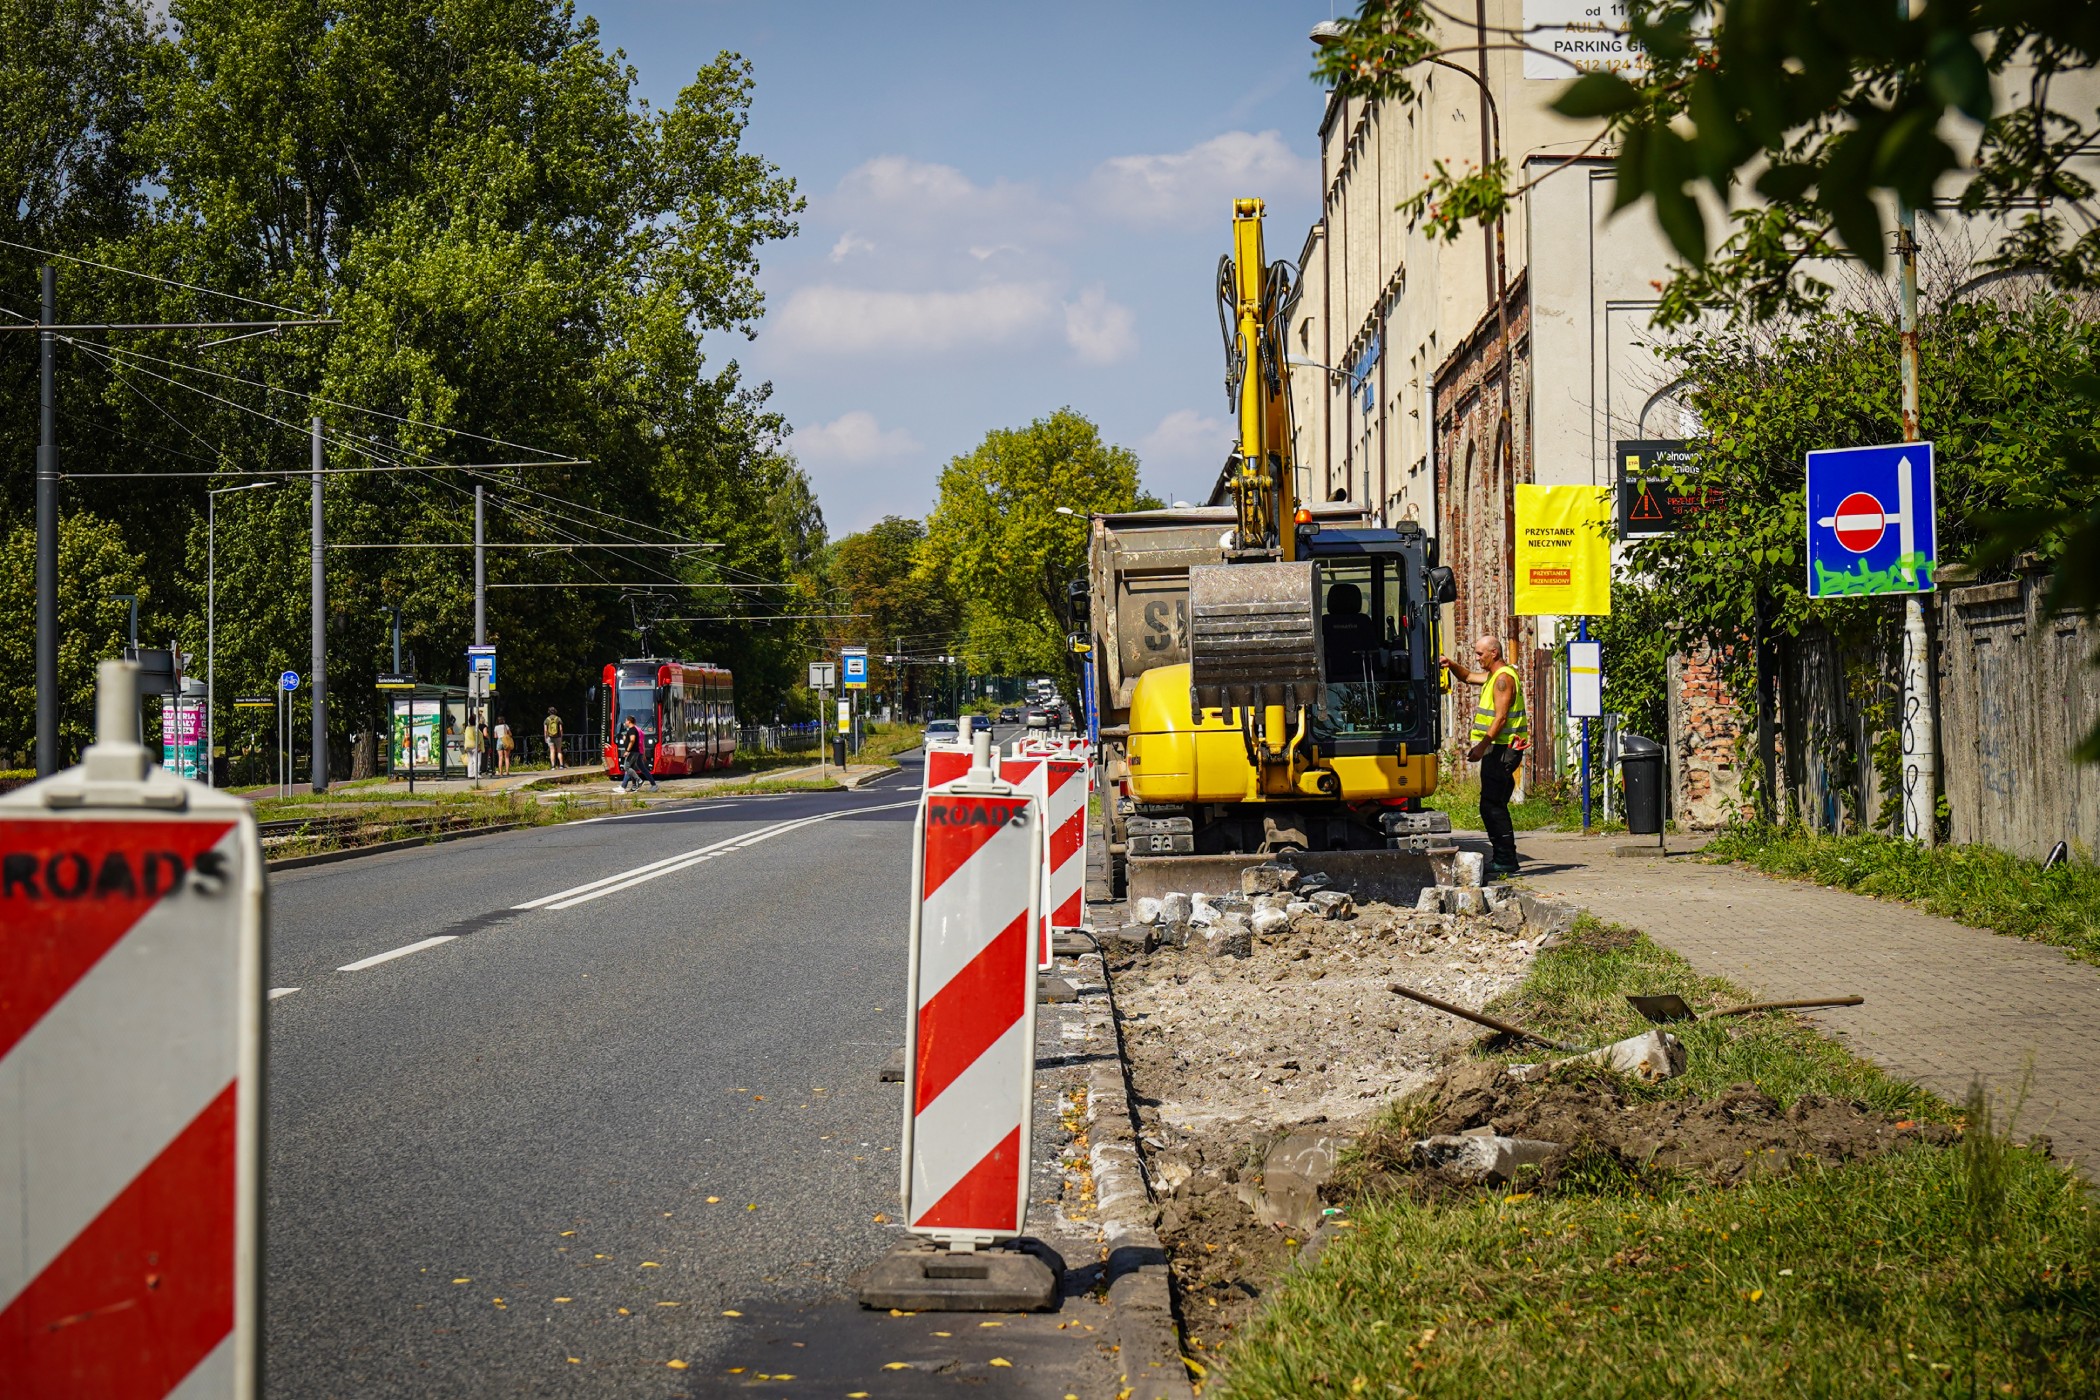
{"points": [[854, 668], [1871, 520]]}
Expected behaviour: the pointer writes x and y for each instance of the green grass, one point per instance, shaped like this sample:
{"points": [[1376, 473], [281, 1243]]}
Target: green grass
{"points": [[1928, 1271], [881, 742], [1556, 807], [1975, 885]]}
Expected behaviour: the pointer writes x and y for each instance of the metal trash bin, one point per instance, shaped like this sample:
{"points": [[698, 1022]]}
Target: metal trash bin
{"points": [[1641, 760]]}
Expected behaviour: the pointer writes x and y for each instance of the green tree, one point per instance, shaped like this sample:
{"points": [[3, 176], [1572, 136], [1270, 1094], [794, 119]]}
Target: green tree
{"points": [[881, 572], [95, 564], [997, 537], [518, 252]]}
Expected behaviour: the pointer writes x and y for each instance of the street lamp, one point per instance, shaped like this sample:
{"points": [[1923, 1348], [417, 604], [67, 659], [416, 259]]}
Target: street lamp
{"points": [[211, 622]]}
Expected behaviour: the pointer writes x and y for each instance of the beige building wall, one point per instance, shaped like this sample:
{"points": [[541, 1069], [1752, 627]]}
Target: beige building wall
{"points": [[1385, 303]]}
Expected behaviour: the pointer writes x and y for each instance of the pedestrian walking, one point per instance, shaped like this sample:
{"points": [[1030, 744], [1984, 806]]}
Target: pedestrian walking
{"points": [[504, 744], [1499, 736], [551, 729], [470, 744]]}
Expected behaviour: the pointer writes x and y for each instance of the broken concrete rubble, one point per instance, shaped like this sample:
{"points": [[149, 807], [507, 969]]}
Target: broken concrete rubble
{"points": [[1651, 1057], [1267, 878], [1488, 1158]]}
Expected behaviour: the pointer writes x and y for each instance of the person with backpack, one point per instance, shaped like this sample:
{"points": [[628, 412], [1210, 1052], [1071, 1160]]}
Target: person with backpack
{"points": [[551, 729]]}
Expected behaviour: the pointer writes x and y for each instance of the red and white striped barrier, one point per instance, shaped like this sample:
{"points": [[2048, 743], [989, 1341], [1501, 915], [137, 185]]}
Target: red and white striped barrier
{"points": [[1065, 778], [970, 1040], [131, 1004]]}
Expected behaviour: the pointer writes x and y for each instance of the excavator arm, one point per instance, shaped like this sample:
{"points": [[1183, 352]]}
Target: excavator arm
{"points": [[1254, 306]]}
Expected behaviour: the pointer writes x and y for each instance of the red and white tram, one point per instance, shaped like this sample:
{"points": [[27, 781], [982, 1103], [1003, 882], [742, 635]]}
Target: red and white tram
{"points": [[686, 711]]}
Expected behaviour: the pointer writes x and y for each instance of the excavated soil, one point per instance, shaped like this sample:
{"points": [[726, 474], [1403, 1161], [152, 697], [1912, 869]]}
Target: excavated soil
{"points": [[1228, 1054], [1305, 1027], [1302, 1041], [1603, 1127]]}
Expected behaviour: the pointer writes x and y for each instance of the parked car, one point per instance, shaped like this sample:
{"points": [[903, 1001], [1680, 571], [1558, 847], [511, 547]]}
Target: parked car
{"points": [[946, 731]]}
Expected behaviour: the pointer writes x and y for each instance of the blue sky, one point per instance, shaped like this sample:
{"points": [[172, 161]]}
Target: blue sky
{"points": [[1012, 208]]}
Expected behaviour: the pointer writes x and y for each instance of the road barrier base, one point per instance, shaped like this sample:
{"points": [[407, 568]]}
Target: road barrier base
{"points": [[925, 1278], [1055, 991], [892, 1071]]}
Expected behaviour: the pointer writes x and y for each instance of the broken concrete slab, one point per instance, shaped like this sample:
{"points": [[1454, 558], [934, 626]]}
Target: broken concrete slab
{"points": [[1293, 1170], [892, 1071], [1333, 904], [1489, 1158], [1054, 991], [921, 1277], [1267, 922], [1144, 911], [1267, 878], [1231, 937], [1651, 1057], [1467, 868], [1071, 945], [1174, 907]]}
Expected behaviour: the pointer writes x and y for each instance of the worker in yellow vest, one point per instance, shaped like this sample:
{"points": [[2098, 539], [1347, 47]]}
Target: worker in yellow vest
{"points": [[1498, 739]]}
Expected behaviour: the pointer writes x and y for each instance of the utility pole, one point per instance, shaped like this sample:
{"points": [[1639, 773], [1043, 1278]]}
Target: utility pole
{"points": [[317, 761], [481, 576], [47, 537], [1920, 740]]}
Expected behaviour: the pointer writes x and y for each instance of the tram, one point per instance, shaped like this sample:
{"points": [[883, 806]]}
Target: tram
{"points": [[686, 711]]}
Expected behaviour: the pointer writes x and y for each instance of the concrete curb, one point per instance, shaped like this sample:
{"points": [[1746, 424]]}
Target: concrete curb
{"points": [[353, 852], [1140, 1286]]}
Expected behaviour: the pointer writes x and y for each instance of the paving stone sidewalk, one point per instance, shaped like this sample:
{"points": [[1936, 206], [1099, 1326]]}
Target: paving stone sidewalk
{"points": [[1944, 1002]]}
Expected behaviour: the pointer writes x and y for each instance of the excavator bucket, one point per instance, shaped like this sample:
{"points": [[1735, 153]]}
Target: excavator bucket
{"points": [[1254, 636]]}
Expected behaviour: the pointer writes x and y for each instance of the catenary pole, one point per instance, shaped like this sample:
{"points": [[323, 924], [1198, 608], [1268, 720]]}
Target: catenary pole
{"points": [[47, 536], [317, 761], [1920, 747], [481, 574]]}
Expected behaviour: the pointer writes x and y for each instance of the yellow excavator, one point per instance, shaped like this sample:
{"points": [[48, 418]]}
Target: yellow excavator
{"points": [[1267, 671]]}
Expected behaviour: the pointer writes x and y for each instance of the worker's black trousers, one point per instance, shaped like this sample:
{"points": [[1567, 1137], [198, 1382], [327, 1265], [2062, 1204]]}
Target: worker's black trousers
{"points": [[1498, 782]]}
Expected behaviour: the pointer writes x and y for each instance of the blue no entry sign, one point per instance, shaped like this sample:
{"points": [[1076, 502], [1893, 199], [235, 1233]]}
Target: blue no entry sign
{"points": [[289, 680], [1870, 520]]}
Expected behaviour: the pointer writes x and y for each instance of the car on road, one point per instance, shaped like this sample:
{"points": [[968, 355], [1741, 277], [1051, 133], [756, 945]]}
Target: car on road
{"points": [[945, 731], [1038, 717], [1011, 714]]}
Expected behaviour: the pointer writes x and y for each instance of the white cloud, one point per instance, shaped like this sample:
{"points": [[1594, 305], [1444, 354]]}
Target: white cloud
{"points": [[1186, 440], [853, 438], [838, 320], [1100, 331], [850, 243], [1201, 182], [900, 191]]}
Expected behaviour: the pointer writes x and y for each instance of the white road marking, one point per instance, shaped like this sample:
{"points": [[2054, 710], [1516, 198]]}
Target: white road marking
{"points": [[276, 992], [377, 958], [671, 865], [650, 812]]}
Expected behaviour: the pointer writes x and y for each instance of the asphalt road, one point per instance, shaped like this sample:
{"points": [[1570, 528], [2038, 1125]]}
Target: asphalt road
{"points": [[605, 1144]]}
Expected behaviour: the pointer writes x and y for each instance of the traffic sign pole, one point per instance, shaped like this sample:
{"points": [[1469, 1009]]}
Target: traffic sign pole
{"points": [[1920, 750]]}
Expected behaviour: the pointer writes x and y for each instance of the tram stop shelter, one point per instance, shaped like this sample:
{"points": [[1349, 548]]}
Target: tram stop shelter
{"points": [[425, 723]]}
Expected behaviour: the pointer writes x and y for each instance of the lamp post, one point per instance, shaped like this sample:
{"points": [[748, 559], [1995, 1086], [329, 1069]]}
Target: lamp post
{"points": [[211, 623]]}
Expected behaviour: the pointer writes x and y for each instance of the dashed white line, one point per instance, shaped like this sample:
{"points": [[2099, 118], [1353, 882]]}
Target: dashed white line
{"points": [[671, 865], [377, 958], [276, 992]]}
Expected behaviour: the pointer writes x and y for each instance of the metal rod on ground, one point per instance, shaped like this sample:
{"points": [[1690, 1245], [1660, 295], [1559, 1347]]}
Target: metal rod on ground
{"points": [[1782, 1006], [1490, 1022], [317, 761], [47, 535]]}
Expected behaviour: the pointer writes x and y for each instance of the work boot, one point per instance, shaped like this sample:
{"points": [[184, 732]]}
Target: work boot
{"points": [[1498, 871]]}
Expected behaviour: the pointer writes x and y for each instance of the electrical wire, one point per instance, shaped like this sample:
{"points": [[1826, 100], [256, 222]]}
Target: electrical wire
{"points": [[149, 277]]}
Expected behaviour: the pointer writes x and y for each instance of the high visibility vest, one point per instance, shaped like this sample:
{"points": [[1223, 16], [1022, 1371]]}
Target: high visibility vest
{"points": [[1513, 727]]}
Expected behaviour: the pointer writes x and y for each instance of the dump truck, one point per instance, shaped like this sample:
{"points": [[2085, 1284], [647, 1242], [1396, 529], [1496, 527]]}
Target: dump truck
{"points": [[1268, 673]]}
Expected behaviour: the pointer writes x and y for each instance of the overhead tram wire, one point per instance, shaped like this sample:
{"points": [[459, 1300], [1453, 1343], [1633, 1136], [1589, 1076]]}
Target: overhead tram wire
{"points": [[333, 403], [340, 439], [148, 277]]}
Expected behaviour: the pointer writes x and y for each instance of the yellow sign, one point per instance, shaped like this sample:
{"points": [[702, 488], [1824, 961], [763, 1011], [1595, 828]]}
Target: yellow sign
{"points": [[1563, 551]]}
